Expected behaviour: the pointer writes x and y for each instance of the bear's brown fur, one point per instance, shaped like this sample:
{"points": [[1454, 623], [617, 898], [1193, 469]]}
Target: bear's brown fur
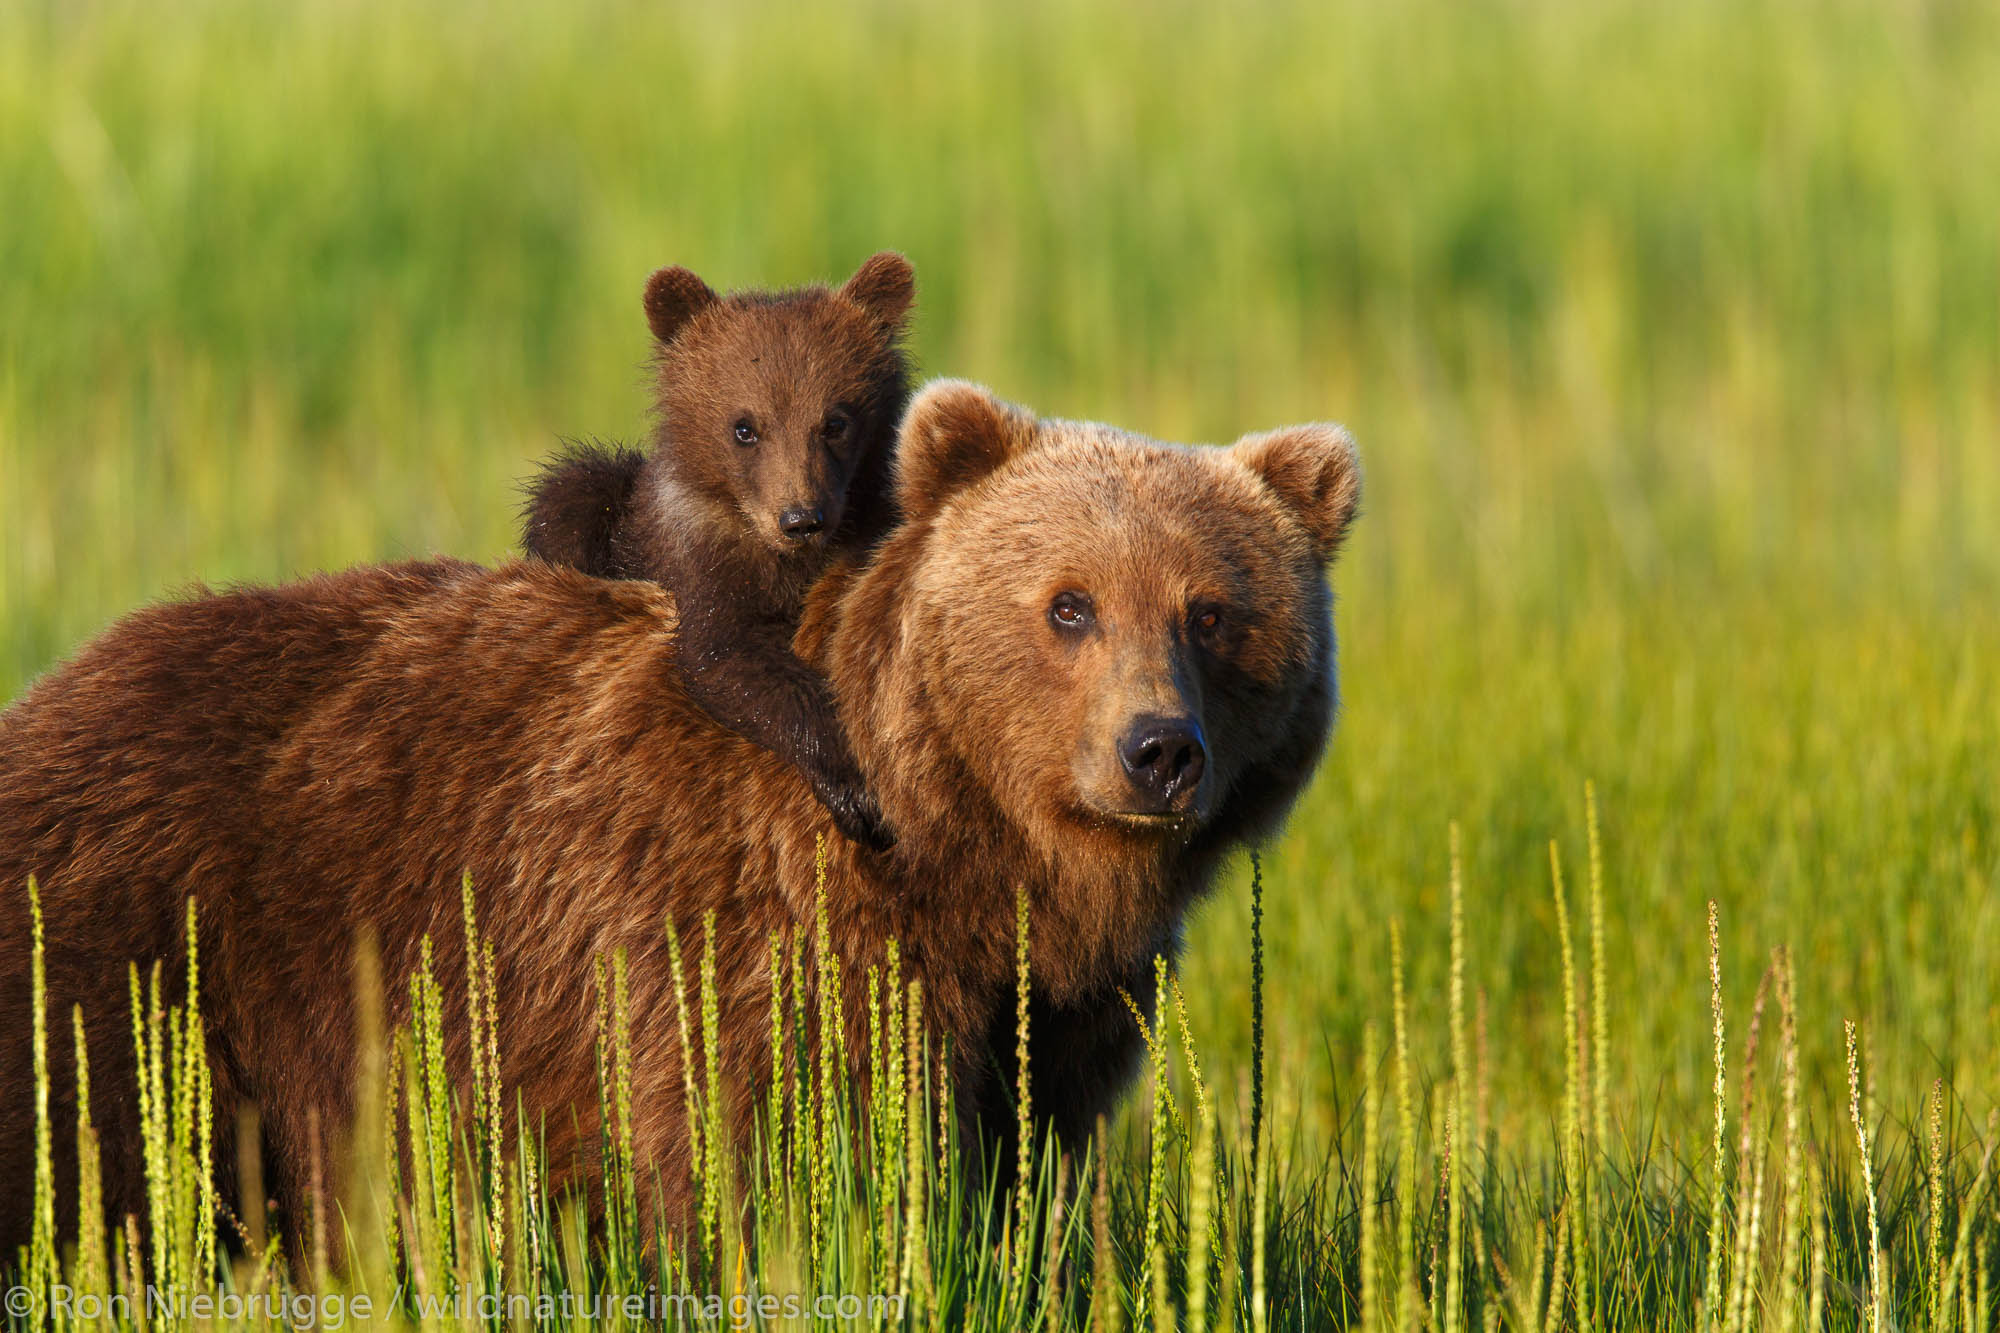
{"points": [[306, 759], [774, 420]]}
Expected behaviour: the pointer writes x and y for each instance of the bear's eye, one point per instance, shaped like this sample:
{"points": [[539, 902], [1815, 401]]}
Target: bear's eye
{"points": [[835, 426], [745, 432], [1207, 620], [1071, 611]]}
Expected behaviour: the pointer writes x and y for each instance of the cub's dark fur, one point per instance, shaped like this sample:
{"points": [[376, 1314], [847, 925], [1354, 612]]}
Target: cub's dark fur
{"points": [[575, 506], [777, 413]]}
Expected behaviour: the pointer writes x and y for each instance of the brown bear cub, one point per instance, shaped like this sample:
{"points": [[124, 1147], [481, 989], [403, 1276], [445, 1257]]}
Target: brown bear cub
{"points": [[777, 413]]}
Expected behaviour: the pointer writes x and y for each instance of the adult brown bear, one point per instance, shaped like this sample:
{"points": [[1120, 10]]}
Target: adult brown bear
{"points": [[1087, 665]]}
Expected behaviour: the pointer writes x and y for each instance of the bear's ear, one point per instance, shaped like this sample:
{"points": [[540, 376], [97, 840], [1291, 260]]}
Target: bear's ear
{"points": [[954, 434], [673, 297], [884, 287], [1314, 470]]}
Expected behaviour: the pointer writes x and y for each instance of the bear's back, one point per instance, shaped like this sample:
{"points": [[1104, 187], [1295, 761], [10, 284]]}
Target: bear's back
{"points": [[139, 749]]}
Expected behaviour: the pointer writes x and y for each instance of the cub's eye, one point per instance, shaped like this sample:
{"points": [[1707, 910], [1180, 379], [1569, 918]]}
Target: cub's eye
{"points": [[745, 432], [1071, 611], [1207, 619], [835, 426]]}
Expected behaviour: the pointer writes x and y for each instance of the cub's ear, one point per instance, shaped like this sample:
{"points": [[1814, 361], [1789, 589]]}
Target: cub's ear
{"points": [[1315, 472], [673, 297], [884, 287], [954, 434]]}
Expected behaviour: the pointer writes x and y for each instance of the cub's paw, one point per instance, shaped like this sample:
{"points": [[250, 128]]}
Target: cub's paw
{"points": [[857, 815]]}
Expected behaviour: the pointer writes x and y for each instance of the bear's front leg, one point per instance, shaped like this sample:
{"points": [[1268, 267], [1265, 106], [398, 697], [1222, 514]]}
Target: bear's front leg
{"points": [[746, 678], [1082, 1056]]}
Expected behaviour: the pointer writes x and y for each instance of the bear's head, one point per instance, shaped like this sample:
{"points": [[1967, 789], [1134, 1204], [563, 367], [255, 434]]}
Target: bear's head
{"points": [[781, 405], [1117, 654]]}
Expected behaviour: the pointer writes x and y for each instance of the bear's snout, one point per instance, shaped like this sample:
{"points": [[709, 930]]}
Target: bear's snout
{"points": [[802, 521], [1163, 759]]}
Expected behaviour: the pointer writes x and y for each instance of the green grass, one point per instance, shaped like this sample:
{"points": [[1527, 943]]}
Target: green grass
{"points": [[439, 1212], [1669, 335]]}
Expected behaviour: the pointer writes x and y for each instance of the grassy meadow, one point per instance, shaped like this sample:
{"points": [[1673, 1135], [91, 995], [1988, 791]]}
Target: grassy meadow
{"points": [[1671, 338]]}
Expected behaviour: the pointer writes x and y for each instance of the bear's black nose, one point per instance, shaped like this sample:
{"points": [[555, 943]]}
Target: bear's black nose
{"points": [[1164, 757], [799, 522]]}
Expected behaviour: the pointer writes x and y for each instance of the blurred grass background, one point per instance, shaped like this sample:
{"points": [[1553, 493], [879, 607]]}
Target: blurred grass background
{"points": [[1671, 335]]}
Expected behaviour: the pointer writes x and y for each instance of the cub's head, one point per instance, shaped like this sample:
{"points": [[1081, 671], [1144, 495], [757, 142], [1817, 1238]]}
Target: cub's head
{"points": [[782, 405], [1124, 642]]}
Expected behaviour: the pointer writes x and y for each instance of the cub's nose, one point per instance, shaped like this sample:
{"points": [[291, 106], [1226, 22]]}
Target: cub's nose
{"points": [[800, 522], [1163, 757]]}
